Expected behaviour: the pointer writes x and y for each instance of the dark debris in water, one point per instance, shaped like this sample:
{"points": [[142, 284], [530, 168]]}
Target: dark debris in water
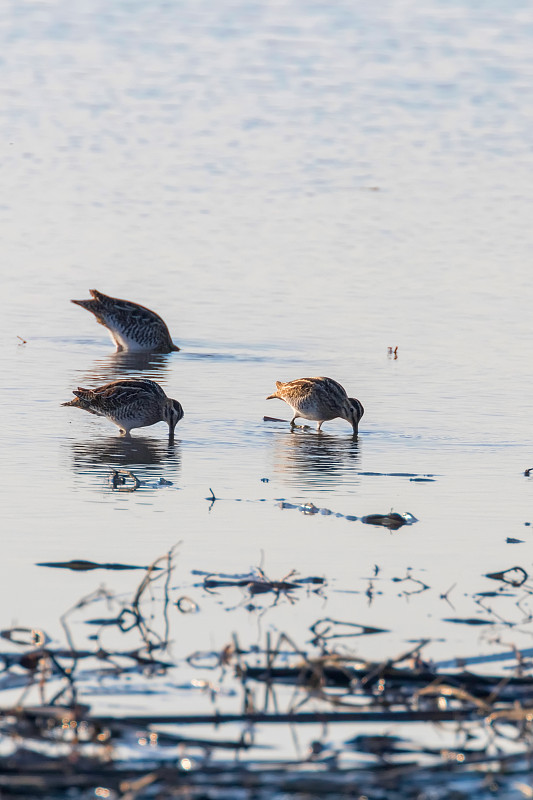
{"points": [[55, 744], [257, 583], [418, 585], [327, 629], [79, 565], [187, 605], [515, 576], [124, 480], [393, 520]]}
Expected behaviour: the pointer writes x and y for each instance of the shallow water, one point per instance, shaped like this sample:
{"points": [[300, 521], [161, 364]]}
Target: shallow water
{"points": [[295, 187]]}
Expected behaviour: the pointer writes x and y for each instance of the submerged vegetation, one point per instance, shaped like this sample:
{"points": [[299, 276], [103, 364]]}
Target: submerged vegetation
{"points": [[359, 728]]}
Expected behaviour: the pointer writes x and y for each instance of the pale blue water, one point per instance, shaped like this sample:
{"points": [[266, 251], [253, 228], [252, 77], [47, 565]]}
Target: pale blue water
{"points": [[295, 187]]}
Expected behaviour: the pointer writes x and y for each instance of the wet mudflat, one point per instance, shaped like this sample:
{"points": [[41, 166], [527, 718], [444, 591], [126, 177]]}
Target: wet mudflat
{"points": [[251, 611]]}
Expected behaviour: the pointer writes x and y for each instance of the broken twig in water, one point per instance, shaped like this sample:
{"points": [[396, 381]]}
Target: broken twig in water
{"points": [[79, 565], [327, 629], [259, 583], [520, 576], [118, 480]]}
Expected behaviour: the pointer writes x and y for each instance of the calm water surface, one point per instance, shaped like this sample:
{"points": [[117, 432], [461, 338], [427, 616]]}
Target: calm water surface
{"points": [[295, 187]]}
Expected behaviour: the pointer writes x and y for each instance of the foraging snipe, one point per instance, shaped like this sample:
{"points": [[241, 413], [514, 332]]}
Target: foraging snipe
{"points": [[132, 327], [130, 403], [319, 399]]}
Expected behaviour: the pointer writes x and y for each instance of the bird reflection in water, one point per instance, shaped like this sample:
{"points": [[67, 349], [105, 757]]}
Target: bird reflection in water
{"points": [[321, 461], [127, 365], [148, 458]]}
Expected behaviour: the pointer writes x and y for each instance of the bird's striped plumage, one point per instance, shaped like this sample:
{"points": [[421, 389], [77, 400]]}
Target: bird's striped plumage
{"points": [[130, 403], [319, 399], [132, 326]]}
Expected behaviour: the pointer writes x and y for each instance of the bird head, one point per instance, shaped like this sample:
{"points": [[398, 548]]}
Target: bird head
{"points": [[353, 411], [172, 413]]}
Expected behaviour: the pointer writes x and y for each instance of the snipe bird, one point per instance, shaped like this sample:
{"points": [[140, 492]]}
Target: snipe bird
{"points": [[132, 327], [319, 399], [130, 403]]}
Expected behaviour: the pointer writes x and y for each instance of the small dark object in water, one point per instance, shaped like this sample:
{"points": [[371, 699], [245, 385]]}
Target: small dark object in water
{"points": [[392, 520], [32, 636], [203, 659], [327, 628], [79, 565], [521, 576], [262, 583], [118, 480], [528, 472], [469, 621], [186, 605], [22, 341], [510, 540], [377, 745]]}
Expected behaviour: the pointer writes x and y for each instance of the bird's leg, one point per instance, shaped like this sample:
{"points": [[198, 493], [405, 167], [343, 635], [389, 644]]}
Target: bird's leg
{"points": [[294, 425], [318, 426]]}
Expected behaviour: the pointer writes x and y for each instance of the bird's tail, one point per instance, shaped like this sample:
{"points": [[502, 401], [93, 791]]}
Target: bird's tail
{"points": [[74, 402], [82, 399], [276, 395], [94, 305]]}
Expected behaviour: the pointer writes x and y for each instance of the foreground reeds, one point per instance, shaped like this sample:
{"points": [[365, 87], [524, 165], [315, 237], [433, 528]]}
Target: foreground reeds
{"points": [[374, 723]]}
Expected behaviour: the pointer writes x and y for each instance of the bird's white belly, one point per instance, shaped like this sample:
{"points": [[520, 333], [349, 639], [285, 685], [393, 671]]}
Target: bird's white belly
{"points": [[123, 342], [310, 411]]}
